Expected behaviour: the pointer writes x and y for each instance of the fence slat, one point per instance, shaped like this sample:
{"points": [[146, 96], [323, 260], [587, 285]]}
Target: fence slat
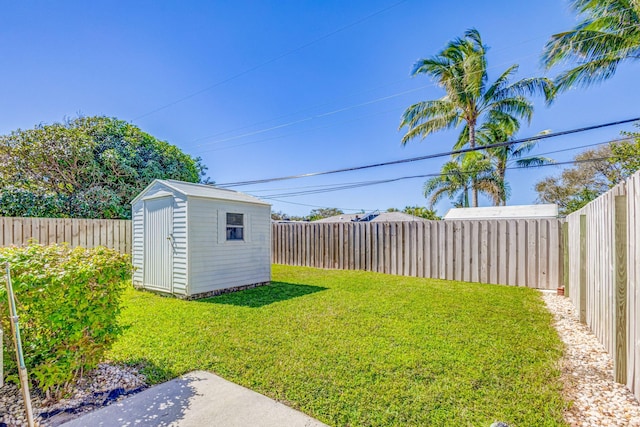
{"points": [[114, 234]]}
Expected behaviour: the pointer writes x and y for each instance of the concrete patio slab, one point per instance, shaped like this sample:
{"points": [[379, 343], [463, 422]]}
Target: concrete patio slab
{"points": [[197, 399]]}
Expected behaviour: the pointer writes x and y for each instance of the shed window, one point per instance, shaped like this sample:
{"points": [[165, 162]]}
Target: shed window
{"points": [[235, 226]]}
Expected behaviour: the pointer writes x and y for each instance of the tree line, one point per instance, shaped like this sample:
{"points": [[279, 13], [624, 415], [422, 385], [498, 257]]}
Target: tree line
{"points": [[320, 213], [88, 167]]}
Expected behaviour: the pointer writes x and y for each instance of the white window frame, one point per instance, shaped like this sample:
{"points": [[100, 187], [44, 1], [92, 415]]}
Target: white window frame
{"points": [[234, 226]]}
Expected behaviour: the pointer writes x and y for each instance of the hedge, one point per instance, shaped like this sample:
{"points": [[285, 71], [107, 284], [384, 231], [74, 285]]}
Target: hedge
{"points": [[68, 302]]}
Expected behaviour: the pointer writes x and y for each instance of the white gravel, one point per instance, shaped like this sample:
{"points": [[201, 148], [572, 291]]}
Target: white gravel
{"points": [[587, 374], [105, 384]]}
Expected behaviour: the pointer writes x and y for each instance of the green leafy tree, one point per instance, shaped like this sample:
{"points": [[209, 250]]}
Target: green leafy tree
{"points": [[459, 177], [89, 167], [508, 155], [320, 213], [421, 212], [281, 216], [593, 174], [608, 34], [461, 70], [626, 153]]}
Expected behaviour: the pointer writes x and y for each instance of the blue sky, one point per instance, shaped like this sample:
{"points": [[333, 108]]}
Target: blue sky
{"points": [[263, 89]]}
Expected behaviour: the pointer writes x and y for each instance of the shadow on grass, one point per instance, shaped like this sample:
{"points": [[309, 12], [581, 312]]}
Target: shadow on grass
{"points": [[265, 295]]}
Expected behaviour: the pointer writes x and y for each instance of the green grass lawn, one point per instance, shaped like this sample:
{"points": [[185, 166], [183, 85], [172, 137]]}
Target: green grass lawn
{"points": [[354, 348]]}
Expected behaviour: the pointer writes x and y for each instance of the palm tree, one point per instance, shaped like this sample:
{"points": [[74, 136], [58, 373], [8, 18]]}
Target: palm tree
{"points": [[608, 35], [507, 156], [461, 70], [469, 172]]}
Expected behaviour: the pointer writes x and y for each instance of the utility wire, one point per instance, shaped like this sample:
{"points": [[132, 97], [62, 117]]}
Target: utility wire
{"points": [[428, 175], [581, 146], [266, 190], [296, 132], [275, 197], [346, 108], [318, 116], [429, 156], [272, 60], [319, 206], [307, 108]]}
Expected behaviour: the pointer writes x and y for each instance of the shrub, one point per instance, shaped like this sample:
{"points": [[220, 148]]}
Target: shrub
{"points": [[67, 301]]}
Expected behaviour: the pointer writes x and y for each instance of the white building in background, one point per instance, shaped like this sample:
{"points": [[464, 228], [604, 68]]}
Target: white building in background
{"points": [[504, 212]]}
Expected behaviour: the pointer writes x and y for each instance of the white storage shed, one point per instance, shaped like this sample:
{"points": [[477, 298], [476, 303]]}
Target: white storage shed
{"points": [[196, 240]]}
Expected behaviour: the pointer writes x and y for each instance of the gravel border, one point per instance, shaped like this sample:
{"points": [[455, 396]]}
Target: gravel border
{"points": [[104, 385], [587, 373]]}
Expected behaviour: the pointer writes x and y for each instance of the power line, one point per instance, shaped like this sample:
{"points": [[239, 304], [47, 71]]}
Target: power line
{"points": [[368, 183], [272, 60], [430, 156], [349, 107], [295, 133], [318, 206], [428, 175], [581, 146], [318, 116], [319, 186], [294, 112]]}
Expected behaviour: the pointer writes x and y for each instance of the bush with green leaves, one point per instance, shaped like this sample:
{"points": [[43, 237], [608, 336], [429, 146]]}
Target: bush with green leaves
{"points": [[68, 301]]}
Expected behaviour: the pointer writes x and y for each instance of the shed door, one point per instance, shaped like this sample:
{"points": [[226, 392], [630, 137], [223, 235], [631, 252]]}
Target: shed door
{"points": [[158, 243]]}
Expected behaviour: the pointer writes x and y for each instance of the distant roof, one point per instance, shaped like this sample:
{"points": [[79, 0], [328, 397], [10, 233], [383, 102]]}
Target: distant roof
{"points": [[501, 212], [203, 190], [380, 217]]}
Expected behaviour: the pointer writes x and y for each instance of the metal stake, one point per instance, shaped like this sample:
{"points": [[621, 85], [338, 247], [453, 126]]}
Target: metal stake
{"points": [[22, 369]]}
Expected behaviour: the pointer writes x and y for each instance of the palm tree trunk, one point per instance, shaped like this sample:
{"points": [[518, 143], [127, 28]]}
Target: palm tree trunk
{"points": [[472, 144], [501, 173]]}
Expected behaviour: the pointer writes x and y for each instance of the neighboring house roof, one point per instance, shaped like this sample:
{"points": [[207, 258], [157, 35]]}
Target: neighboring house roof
{"points": [[375, 217], [203, 190], [504, 212]]}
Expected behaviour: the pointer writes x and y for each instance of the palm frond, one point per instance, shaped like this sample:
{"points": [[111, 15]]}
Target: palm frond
{"points": [[608, 34], [426, 110], [518, 107], [587, 74], [528, 162], [528, 87], [501, 82], [427, 127]]}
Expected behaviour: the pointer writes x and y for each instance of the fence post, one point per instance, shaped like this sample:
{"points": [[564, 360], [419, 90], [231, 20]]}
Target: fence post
{"points": [[565, 257], [620, 242], [583, 269]]}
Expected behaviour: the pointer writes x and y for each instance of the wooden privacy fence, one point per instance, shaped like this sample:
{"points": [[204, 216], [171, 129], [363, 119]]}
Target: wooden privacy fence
{"points": [[604, 274], [112, 233], [510, 252]]}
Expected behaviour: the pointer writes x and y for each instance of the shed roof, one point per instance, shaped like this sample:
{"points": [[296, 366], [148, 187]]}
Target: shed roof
{"points": [[203, 190], [501, 212], [380, 217]]}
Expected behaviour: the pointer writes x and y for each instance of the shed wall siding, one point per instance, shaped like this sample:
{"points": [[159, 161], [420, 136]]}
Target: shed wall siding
{"points": [[215, 263], [137, 242], [180, 272], [155, 189], [179, 232]]}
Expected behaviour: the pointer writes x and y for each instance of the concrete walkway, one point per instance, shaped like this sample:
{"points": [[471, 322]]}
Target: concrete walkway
{"points": [[197, 399]]}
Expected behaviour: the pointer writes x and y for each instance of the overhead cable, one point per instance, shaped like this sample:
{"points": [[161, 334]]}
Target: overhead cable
{"points": [[428, 175], [430, 156], [346, 108], [274, 59]]}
